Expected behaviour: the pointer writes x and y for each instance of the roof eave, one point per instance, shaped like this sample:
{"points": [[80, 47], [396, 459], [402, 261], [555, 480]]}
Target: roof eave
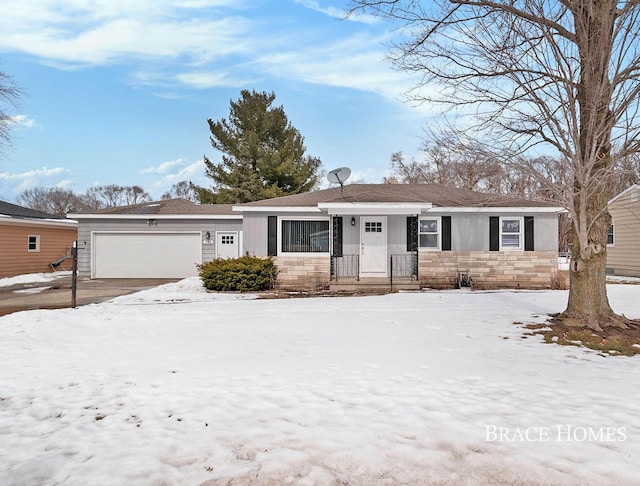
{"points": [[499, 209], [153, 216], [279, 209]]}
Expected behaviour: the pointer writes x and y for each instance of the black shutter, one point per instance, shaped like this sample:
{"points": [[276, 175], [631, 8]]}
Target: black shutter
{"points": [[446, 233], [528, 233], [494, 233], [272, 236], [412, 233], [337, 236]]}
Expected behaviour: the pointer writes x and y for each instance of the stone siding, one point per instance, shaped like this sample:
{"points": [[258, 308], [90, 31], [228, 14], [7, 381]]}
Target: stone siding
{"points": [[491, 269], [302, 272]]}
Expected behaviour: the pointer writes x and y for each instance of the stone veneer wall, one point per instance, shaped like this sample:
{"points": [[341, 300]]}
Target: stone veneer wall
{"points": [[491, 269], [302, 272]]}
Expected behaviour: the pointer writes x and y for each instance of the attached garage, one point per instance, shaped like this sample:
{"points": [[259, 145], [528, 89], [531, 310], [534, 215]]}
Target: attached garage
{"points": [[148, 254]]}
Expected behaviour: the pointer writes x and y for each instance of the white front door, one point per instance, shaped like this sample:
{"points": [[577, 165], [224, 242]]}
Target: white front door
{"points": [[227, 244], [373, 246]]}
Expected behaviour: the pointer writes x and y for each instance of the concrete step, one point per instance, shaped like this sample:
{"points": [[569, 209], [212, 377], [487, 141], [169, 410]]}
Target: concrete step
{"points": [[371, 284]]}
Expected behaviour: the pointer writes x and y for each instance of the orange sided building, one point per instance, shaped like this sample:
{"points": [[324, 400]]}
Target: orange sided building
{"points": [[33, 241]]}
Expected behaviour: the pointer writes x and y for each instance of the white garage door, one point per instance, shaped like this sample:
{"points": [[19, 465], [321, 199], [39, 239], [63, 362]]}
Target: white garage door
{"points": [[146, 255]]}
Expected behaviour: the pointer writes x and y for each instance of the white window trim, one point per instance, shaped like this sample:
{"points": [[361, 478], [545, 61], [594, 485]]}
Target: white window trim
{"points": [[302, 218], [613, 233], [37, 248], [426, 248], [520, 234]]}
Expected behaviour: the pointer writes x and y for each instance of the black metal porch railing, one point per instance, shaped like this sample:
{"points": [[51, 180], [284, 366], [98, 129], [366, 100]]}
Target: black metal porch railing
{"points": [[405, 265], [345, 266]]}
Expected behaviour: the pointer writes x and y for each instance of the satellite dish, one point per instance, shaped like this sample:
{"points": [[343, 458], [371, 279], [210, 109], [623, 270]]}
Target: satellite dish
{"points": [[339, 175]]}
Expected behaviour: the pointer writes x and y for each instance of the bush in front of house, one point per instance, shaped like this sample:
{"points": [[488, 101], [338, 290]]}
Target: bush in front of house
{"points": [[244, 274]]}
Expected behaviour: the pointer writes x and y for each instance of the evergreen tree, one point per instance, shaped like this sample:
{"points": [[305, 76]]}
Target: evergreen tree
{"points": [[263, 155]]}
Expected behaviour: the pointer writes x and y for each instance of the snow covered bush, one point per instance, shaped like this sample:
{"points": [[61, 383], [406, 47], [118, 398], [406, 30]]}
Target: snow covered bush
{"points": [[244, 274]]}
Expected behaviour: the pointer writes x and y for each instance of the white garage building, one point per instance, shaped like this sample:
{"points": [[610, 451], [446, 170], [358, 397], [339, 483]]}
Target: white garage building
{"points": [[161, 239]]}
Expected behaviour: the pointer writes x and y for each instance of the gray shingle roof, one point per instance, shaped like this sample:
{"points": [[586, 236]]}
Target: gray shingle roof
{"points": [[169, 206], [16, 211], [438, 195]]}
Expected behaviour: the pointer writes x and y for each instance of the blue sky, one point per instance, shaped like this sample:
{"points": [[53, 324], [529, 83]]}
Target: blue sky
{"points": [[119, 92]]}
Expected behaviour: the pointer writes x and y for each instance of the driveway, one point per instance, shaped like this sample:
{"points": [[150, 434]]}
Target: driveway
{"points": [[57, 294]]}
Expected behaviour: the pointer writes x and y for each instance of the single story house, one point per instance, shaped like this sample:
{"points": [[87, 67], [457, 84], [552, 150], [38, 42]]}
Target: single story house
{"points": [[31, 240], [417, 235], [162, 239], [363, 235], [623, 245]]}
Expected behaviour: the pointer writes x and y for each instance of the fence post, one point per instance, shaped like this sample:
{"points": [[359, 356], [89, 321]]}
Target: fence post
{"points": [[74, 273]]}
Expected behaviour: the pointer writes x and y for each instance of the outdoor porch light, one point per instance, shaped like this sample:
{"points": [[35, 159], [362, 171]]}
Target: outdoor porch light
{"points": [[207, 235], [353, 220], [152, 222]]}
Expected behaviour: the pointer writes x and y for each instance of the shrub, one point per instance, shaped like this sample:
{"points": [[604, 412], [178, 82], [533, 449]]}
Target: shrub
{"points": [[244, 274]]}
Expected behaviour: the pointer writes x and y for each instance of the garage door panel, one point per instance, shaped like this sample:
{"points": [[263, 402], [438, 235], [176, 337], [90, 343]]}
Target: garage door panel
{"points": [[146, 255]]}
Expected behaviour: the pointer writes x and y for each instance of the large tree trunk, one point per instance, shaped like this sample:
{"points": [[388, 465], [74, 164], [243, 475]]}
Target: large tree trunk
{"points": [[588, 304]]}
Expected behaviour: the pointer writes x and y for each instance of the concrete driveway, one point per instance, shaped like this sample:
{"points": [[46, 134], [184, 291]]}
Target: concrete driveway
{"points": [[57, 294]]}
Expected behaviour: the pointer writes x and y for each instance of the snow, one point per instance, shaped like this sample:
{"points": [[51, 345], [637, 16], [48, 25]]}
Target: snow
{"points": [[32, 278], [175, 386]]}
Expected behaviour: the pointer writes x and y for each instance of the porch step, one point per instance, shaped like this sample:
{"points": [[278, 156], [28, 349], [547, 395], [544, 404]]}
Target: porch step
{"points": [[373, 285]]}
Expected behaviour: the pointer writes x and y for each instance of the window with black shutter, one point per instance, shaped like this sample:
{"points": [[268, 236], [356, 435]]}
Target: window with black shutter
{"points": [[272, 236], [446, 233], [528, 234], [494, 233], [337, 236], [412, 233]]}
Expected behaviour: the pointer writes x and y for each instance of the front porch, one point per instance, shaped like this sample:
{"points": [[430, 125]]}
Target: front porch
{"points": [[402, 274]]}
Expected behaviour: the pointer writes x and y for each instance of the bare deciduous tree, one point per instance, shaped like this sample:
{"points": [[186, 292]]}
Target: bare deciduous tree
{"points": [[9, 94], [553, 76], [183, 190], [113, 195], [135, 195], [52, 200]]}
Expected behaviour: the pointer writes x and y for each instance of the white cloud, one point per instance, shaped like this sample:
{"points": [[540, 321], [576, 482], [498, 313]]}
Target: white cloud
{"points": [[203, 44], [164, 167], [350, 63], [99, 32], [17, 183], [23, 121], [174, 172], [202, 80], [339, 13]]}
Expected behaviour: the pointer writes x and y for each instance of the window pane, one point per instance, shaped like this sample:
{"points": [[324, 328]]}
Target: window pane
{"points": [[372, 227], [511, 226], [510, 241], [32, 244], [305, 236], [610, 236], [429, 241], [428, 226]]}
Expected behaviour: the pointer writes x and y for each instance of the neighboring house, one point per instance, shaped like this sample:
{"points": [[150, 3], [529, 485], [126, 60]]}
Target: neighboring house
{"points": [[31, 240], [623, 245], [162, 239], [419, 235]]}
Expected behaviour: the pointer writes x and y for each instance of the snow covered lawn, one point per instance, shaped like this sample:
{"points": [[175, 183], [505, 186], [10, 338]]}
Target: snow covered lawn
{"points": [[177, 386]]}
